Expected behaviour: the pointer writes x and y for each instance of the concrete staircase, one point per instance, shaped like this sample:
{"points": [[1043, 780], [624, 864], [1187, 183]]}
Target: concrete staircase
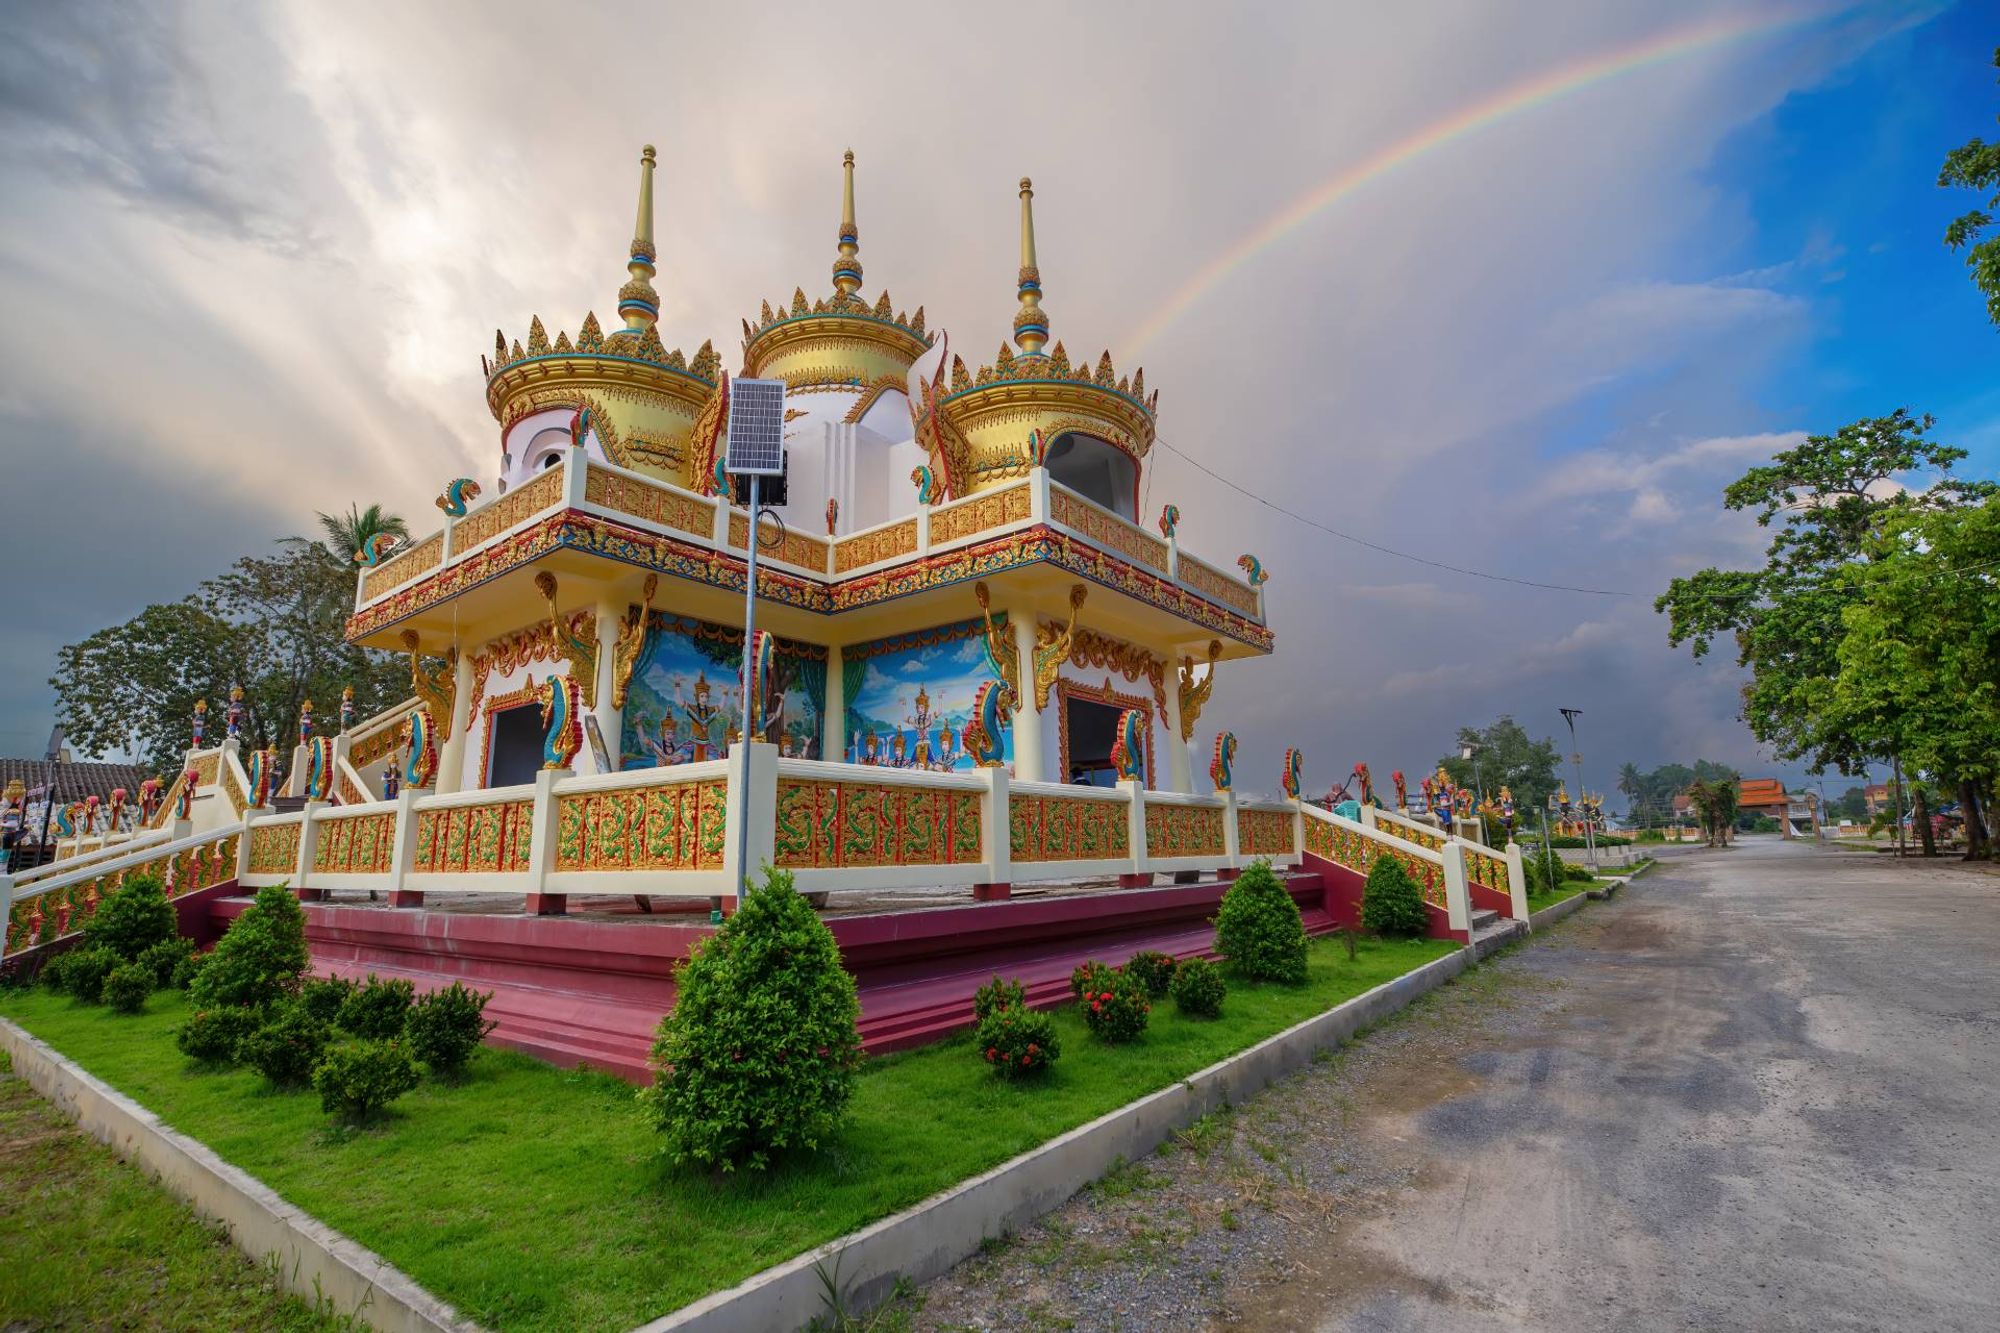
{"points": [[1491, 931]]}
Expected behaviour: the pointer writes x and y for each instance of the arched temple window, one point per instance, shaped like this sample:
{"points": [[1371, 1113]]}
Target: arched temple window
{"points": [[1097, 471], [547, 447]]}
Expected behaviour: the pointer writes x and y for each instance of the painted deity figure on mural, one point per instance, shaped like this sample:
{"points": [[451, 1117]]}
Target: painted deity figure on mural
{"points": [[920, 721], [707, 723]]}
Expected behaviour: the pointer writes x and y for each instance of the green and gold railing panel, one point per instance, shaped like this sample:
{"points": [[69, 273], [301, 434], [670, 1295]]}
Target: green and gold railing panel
{"points": [[1177, 830], [354, 844], [1350, 845], [674, 821], [829, 824], [64, 905], [1266, 832], [492, 837], [1428, 838], [1488, 868], [1066, 828], [274, 846]]}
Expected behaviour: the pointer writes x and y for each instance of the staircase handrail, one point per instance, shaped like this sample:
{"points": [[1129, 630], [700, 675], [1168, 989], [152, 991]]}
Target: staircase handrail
{"points": [[90, 860], [371, 728], [74, 874]]}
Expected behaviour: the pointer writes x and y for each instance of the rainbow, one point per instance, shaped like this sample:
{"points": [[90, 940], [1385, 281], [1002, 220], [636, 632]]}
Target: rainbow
{"points": [[1537, 91]]}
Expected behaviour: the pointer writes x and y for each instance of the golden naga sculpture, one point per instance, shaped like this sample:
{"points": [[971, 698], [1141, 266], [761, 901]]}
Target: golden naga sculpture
{"points": [[437, 689], [631, 641], [1195, 697], [1000, 647], [566, 645], [1052, 649]]}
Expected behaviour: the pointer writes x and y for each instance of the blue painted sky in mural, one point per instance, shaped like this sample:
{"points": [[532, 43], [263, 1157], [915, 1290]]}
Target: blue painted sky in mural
{"points": [[949, 674]]}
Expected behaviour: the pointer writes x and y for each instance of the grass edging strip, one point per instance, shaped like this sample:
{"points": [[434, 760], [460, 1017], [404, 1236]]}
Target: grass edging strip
{"points": [[311, 1259], [925, 1241]]}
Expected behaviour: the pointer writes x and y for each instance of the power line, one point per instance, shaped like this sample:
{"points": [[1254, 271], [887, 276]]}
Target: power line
{"points": [[1377, 546]]}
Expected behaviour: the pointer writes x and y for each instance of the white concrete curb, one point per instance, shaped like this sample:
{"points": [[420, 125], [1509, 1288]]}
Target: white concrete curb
{"points": [[312, 1259], [923, 1242], [1555, 912]]}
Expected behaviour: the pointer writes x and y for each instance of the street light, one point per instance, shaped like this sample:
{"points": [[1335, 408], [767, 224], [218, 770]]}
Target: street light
{"points": [[1471, 752], [1570, 715]]}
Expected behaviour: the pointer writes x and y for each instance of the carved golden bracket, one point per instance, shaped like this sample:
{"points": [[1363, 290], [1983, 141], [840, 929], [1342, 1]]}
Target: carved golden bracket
{"points": [[1000, 647], [436, 690], [1052, 649], [578, 650], [631, 639], [1195, 697]]}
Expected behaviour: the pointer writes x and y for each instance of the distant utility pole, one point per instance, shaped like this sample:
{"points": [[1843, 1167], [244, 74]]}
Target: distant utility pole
{"points": [[1570, 715]]}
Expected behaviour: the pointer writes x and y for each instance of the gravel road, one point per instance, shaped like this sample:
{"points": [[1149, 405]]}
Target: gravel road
{"points": [[1756, 1090]]}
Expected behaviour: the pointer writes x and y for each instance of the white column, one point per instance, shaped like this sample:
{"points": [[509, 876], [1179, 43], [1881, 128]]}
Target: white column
{"points": [[1457, 898], [295, 781], [403, 852], [451, 755], [308, 844], [996, 849], [1135, 816], [753, 805], [1232, 840], [1368, 816], [542, 841], [610, 616], [1029, 765], [1180, 774], [1517, 882], [833, 729]]}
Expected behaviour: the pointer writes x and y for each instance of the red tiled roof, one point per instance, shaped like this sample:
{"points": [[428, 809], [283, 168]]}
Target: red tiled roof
{"points": [[74, 781], [1760, 791]]}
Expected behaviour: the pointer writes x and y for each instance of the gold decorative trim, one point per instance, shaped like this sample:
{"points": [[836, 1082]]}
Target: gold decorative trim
{"points": [[577, 650], [650, 503], [516, 506], [1193, 697], [865, 548], [992, 509], [797, 548], [436, 690], [1128, 660], [1000, 646], [1052, 649], [418, 560], [1104, 694], [631, 641]]}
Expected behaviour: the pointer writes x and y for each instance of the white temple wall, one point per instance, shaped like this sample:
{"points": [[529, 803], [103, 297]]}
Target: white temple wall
{"points": [[528, 446]]}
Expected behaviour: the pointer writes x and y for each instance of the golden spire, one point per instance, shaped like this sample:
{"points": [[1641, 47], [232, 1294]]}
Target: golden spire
{"points": [[847, 268], [1031, 325], [638, 303]]}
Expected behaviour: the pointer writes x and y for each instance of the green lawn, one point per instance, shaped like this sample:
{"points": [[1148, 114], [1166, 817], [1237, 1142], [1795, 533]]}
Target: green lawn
{"points": [[1569, 889], [533, 1198], [89, 1242]]}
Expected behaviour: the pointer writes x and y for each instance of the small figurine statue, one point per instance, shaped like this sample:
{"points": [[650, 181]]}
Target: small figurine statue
{"points": [[306, 722], [346, 708], [200, 721], [233, 715]]}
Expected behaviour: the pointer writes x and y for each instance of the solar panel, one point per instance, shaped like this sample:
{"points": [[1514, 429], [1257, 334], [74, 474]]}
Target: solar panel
{"points": [[756, 428]]}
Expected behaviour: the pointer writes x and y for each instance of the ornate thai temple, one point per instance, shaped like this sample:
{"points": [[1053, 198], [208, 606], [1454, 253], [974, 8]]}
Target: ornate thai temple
{"points": [[977, 664]]}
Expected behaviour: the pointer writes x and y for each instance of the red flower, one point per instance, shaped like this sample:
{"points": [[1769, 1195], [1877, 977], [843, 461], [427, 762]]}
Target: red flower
{"points": [[1096, 1008], [991, 1052]]}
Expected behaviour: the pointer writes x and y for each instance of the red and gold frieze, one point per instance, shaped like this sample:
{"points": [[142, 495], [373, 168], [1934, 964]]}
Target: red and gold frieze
{"points": [[1067, 828], [474, 839], [274, 848], [1183, 830], [1357, 851], [1488, 869], [1264, 832], [827, 825], [1422, 837], [674, 826], [42, 917], [362, 845]]}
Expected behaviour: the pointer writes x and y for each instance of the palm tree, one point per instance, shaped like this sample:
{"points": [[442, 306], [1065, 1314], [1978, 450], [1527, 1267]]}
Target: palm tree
{"points": [[1714, 803], [1633, 783], [348, 533]]}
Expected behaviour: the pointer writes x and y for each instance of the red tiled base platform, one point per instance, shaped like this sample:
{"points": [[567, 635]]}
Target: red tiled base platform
{"points": [[592, 992]]}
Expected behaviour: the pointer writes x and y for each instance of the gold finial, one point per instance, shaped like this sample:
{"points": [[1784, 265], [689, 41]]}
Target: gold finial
{"points": [[847, 268], [1031, 324], [638, 303]]}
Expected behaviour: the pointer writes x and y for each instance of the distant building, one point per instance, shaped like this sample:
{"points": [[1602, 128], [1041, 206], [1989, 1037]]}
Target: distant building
{"points": [[1876, 795]]}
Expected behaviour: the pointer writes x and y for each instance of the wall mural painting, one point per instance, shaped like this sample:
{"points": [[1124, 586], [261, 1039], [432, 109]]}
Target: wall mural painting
{"points": [[686, 703], [909, 697]]}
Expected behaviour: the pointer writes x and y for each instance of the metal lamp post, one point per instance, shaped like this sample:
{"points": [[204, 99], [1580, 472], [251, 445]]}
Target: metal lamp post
{"points": [[1570, 715]]}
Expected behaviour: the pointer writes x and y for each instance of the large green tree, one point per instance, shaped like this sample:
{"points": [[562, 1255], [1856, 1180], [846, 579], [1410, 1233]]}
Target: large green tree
{"points": [[1505, 755], [1975, 165], [271, 623], [1828, 498]]}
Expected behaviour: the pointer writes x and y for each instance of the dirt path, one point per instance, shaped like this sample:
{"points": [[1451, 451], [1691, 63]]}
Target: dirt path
{"points": [[1756, 1090]]}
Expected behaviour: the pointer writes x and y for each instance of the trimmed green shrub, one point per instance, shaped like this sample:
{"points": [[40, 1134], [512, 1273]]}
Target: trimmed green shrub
{"points": [[187, 969], [1119, 1011], [1018, 1042], [1602, 840], [55, 973], [1543, 874], [163, 959], [758, 1055], [288, 1047], [127, 986], [377, 1008], [1092, 975], [134, 918], [1153, 970], [996, 995], [323, 996], [356, 1079], [1575, 873], [1258, 928], [261, 957], [85, 971], [1391, 902], [211, 1035], [1198, 988], [446, 1026]]}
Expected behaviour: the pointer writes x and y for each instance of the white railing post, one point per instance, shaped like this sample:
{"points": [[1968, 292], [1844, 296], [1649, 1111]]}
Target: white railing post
{"points": [[403, 851], [308, 843], [1232, 835], [1368, 815], [923, 530], [576, 474], [1457, 897], [996, 842], [753, 805], [1135, 823], [6, 910], [243, 847], [542, 844], [1517, 881]]}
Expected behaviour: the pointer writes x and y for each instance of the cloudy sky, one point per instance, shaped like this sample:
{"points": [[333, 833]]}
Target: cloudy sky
{"points": [[1517, 288]]}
